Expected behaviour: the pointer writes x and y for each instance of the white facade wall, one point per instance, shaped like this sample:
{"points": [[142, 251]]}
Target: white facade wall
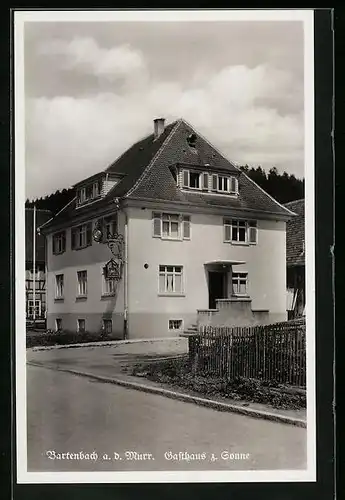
{"points": [[95, 307], [149, 313]]}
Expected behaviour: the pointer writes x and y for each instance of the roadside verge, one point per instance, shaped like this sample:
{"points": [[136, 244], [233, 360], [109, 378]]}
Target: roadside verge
{"points": [[136, 383]]}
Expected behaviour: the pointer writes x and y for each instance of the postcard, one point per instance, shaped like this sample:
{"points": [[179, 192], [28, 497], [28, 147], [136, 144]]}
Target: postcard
{"points": [[165, 308]]}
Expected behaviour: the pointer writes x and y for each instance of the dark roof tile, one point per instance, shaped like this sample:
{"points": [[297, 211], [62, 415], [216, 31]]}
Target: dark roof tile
{"points": [[295, 230], [147, 163]]}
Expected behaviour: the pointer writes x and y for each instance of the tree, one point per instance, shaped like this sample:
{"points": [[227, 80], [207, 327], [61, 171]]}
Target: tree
{"points": [[282, 187]]}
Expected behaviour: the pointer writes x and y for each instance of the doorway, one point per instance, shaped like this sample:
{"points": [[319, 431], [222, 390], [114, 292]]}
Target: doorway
{"points": [[217, 287]]}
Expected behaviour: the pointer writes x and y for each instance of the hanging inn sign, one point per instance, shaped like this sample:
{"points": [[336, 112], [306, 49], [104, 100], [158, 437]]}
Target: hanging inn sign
{"points": [[113, 268]]}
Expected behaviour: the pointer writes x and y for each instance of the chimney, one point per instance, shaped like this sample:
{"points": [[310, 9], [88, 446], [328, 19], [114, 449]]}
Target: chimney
{"points": [[158, 127]]}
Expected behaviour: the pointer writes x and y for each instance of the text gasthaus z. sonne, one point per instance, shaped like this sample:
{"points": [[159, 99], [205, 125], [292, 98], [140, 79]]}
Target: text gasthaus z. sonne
{"points": [[171, 456]]}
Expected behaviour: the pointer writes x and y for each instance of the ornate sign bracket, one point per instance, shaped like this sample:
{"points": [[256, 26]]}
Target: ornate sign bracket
{"points": [[115, 243]]}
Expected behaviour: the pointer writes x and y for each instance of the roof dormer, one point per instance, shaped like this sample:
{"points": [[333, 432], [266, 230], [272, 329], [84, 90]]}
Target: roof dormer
{"points": [[95, 187], [203, 178]]}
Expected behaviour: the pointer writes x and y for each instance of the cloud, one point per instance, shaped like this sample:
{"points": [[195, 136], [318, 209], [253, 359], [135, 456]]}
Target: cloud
{"points": [[236, 108], [85, 55]]}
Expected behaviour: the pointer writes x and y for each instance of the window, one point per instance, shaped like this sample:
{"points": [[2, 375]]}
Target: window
{"points": [[108, 285], [107, 325], [170, 280], [58, 324], [59, 286], [240, 231], [239, 283], [171, 226], [81, 195], [223, 183], [89, 192], [192, 179], [175, 324], [109, 226], [209, 182], [81, 325], [59, 242], [31, 311], [82, 283], [81, 236]]}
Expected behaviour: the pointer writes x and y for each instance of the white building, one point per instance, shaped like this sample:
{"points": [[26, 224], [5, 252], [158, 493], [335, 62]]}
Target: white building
{"points": [[202, 242]]}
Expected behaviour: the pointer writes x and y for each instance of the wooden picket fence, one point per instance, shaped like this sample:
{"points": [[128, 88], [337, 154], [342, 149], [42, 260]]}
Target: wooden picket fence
{"points": [[273, 353]]}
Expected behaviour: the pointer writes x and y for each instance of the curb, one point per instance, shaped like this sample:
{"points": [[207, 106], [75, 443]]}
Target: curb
{"points": [[209, 403], [100, 344]]}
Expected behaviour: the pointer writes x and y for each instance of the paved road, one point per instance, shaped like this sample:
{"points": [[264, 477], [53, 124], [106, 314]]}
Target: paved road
{"points": [[69, 413]]}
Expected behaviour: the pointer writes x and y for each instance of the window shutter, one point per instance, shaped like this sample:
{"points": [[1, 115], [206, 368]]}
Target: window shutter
{"points": [[156, 224], [214, 182], [186, 227], [205, 181], [233, 184], [253, 232], [227, 231], [54, 244], [89, 233], [73, 239], [64, 241], [185, 179]]}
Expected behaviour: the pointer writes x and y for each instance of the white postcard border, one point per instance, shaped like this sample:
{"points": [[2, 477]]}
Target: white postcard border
{"points": [[25, 477]]}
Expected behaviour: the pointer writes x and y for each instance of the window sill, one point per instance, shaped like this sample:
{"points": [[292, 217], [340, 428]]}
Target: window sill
{"points": [[59, 299], [238, 296], [59, 253], [171, 295], [107, 295], [81, 297], [231, 194], [240, 243], [166, 238]]}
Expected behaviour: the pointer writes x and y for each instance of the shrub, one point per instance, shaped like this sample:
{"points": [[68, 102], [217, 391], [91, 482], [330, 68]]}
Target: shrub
{"points": [[64, 337], [177, 373]]}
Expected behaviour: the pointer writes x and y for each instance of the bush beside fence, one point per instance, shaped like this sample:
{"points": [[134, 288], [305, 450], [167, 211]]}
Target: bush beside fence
{"points": [[273, 353], [50, 338]]}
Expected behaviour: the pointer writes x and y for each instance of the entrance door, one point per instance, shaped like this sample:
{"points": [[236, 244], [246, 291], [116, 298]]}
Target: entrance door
{"points": [[216, 287]]}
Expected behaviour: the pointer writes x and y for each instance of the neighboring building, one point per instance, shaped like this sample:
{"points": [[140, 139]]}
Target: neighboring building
{"points": [[39, 302], [295, 260], [202, 242]]}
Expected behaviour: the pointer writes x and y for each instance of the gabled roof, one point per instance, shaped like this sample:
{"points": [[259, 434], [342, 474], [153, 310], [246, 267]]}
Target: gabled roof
{"points": [[295, 251], [42, 216], [147, 175]]}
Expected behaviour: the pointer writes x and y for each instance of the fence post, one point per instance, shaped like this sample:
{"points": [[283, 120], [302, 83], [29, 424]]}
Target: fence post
{"points": [[193, 348]]}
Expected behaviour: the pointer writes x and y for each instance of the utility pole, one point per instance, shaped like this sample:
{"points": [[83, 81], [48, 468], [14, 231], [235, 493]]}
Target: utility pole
{"points": [[34, 265]]}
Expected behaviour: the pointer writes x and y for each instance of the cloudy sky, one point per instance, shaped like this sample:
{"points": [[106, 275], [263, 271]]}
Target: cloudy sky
{"points": [[92, 89]]}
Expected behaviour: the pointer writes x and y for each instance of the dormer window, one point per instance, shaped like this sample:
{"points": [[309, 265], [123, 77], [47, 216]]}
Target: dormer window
{"points": [[209, 182], [89, 192]]}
